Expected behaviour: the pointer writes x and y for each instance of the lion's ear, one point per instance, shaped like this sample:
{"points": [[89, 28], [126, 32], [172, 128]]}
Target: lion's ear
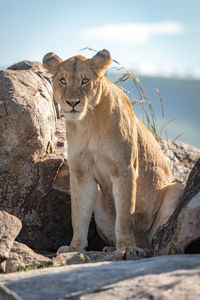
{"points": [[100, 61], [51, 61]]}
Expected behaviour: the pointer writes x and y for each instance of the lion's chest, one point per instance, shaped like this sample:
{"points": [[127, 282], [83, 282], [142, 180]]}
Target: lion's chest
{"points": [[93, 156]]}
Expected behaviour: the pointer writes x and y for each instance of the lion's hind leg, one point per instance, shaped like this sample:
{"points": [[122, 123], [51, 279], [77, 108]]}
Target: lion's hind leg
{"points": [[170, 198]]}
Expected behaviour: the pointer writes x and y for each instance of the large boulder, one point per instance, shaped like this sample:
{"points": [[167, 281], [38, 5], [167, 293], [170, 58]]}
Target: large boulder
{"points": [[28, 161], [166, 277]]}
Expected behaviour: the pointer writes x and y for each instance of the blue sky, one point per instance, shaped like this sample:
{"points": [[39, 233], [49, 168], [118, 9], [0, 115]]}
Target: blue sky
{"points": [[152, 37]]}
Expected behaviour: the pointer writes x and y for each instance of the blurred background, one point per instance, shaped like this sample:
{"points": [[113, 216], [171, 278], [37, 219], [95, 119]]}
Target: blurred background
{"points": [[157, 40]]}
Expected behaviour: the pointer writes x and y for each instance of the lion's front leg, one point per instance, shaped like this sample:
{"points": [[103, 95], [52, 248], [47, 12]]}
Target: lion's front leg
{"points": [[83, 196], [124, 192]]}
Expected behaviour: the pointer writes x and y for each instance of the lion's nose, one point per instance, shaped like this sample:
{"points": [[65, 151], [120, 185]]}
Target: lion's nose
{"points": [[73, 103]]}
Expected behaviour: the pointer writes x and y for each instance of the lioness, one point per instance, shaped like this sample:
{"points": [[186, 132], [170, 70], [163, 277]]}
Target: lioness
{"points": [[117, 169]]}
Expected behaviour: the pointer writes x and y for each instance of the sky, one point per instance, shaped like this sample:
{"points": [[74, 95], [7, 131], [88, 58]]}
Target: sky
{"points": [[151, 37]]}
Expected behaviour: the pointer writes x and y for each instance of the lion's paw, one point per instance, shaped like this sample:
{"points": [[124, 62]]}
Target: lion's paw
{"points": [[62, 249], [133, 251], [109, 249]]}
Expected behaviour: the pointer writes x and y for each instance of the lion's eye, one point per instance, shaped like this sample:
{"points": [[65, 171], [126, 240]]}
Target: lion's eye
{"points": [[63, 81], [84, 81]]}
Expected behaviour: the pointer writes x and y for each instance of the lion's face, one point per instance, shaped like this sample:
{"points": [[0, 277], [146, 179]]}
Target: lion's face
{"points": [[75, 86], [77, 82]]}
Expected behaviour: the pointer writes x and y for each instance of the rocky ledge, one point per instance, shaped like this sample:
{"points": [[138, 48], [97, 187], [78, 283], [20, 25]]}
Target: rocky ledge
{"points": [[164, 277]]}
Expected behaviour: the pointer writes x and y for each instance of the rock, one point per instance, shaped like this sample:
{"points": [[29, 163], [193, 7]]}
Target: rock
{"points": [[181, 157], [187, 235], [29, 65], [10, 227], [60, 135], [22, 258], [26, 108], [38, 68], [29, 160], [181, 233], [164, 277], [6, 294], [61, 180], [3, 266]]}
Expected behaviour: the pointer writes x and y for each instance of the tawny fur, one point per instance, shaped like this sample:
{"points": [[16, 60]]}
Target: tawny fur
{"points": [[117, 169]]}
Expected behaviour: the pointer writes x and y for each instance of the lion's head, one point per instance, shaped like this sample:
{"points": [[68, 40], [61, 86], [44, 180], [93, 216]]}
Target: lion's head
{"points": [[77, 82]]}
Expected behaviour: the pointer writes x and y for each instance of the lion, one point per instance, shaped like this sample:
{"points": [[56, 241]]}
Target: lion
{"points": [[117, 169]]}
